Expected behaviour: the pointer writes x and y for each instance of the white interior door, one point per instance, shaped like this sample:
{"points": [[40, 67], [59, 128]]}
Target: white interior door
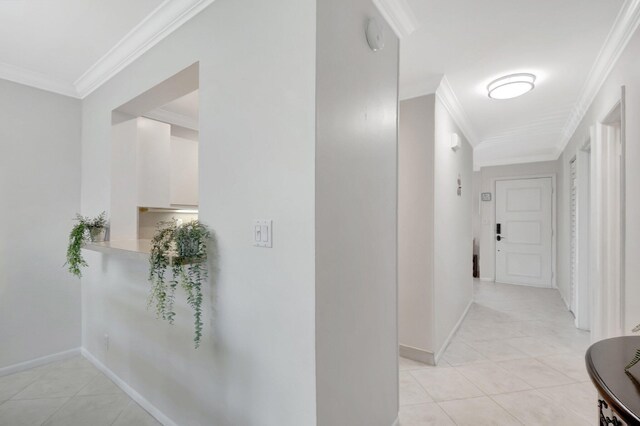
{"points": [[524, 231]]}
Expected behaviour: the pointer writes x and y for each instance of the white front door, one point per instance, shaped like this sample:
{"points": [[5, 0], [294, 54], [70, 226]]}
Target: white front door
{"points": [[524, 231]]}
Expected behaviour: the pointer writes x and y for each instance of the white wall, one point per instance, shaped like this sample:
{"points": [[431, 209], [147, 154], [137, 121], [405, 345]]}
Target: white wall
{"points": [[453, 236], [40, 190], [487, 220], [256, 365], [416, 133], [434, 228], [123, 158], [356, 175], [625, 73]]}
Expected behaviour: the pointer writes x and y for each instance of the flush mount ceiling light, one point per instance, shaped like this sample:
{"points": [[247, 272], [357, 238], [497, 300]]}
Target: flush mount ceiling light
{"points": [[511, 86]]}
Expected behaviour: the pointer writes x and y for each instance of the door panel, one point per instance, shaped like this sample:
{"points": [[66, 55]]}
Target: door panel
{"points": [[523, 247]]}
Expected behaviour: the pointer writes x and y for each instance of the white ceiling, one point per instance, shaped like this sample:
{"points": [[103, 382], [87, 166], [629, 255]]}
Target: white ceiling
{"points": [[73, 46], [183, 111], [474, 42], [186, 106], [63, 38]]}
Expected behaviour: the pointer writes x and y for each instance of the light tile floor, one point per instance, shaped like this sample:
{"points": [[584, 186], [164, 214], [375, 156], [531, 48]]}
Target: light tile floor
{"points": [[67, 393], [517, 359]]}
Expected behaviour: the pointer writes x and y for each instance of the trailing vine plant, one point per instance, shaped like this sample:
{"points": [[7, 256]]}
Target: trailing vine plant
{"points": [[178, 258], [636, 359], [82, 232]]}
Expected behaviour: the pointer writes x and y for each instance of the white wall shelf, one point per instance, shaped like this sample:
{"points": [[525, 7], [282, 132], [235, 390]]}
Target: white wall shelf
{"points": [[135, 249]]}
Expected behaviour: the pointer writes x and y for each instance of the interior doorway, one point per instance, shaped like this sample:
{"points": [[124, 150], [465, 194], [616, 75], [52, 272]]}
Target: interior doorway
{"points": [[580, 193], [524, 231], [573, 233], [154, 158], [608, 224]]}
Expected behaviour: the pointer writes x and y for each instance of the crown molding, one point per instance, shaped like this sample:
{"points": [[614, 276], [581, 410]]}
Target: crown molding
{"points": [[624, 27], [37, 80], [164, 20], [171, 117], [477, 165], [452, 104], [398, 15]]}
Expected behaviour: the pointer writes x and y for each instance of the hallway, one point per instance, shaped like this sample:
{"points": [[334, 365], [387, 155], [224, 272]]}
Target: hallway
{"points": [[516, 359]]}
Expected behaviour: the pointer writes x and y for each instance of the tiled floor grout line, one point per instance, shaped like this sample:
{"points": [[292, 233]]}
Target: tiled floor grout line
{"points": [[552, 401], [505, 408], [68, 401], [484, 396], [446, 414], [539, 351], [53, 387], [55, 411], [422, 387], [120, 413]]}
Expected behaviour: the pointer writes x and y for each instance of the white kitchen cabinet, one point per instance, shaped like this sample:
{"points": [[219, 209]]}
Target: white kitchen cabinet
{"points": [[150, 169], [154, 163], [184, 172]]}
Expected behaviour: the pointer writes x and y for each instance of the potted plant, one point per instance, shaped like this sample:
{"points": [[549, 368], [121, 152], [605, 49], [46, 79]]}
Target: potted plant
{"points": [[87, 229], [180, 250], [635, 359]]}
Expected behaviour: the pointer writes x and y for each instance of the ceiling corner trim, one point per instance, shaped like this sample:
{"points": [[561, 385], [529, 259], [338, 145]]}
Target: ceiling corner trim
{"points": [[37, 80], [624, 27], [477, 165], [398, 15], [165, 19], [452, 104]]}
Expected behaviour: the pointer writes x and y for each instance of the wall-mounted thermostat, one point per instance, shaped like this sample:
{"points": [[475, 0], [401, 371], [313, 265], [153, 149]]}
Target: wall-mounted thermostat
{"points": [[486, 196], [262, 236]]}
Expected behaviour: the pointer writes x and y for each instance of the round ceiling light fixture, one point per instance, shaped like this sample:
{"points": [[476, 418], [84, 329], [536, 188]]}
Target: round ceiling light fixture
{"points": [[511, 86]]}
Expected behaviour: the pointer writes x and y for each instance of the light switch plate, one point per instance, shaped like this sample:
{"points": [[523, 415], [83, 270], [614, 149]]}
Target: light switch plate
{"points": [[262, 233]]}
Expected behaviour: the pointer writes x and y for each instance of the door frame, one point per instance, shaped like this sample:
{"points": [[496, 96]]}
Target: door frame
{"points": [[608, 313], [554, 229], [575, 219], [583, 234]]}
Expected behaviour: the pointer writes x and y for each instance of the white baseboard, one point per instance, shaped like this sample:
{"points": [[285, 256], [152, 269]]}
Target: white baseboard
{"points": [[486, 279], [16, 368], [397, 422], [133, 394], [453, 332], [568, 306], [416, 354]]}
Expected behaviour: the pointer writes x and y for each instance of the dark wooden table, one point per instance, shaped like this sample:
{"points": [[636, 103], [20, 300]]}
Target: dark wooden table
{"points": [[619, 391]]}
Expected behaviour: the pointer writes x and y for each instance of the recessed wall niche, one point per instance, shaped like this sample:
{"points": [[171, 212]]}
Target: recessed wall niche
{"points": [[154, 158]]}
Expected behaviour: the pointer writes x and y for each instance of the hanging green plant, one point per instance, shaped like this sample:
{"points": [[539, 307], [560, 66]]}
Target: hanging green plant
{"points": [[635, 359], [87, 229], [178, 257]]}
